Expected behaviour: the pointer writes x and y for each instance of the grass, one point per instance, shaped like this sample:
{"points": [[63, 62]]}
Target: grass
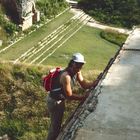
{"points": [[97, 51], [87, 41], [114, 37], [32, 39], [22, 105]]}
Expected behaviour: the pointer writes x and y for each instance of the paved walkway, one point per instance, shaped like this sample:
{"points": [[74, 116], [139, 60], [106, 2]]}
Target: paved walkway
{"points": [[117, 114]]}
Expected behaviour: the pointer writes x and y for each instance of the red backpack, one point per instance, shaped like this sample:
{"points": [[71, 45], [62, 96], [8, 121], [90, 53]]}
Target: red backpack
{"points": [[47, 80]]}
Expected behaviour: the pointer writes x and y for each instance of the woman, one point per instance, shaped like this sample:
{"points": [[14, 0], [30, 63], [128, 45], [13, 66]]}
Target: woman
{"points": [[62, 90]]}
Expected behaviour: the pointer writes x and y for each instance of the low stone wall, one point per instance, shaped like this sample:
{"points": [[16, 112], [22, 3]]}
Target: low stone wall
{"points": [[4, 137]]}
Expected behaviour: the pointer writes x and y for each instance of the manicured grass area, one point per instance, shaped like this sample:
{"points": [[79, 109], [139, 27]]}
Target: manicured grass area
{"points": [[87, 41], [32, 39], [114, 37]]}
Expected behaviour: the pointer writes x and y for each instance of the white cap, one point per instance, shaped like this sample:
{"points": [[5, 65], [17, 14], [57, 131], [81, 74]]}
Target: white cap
{"points": [[78, 57]]}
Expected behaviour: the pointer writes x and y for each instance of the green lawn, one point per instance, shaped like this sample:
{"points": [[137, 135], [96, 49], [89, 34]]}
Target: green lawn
{"points": [[87, 41], [32, 39]]}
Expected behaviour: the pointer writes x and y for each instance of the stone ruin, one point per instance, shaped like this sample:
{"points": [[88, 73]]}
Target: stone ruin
{"points": [[22, 12]]}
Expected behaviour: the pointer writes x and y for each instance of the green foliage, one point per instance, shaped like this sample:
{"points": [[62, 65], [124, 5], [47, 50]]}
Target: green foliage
{"points": [[50, 8], [3, 35], [113, 37], [34, 75], [118, 12], [34, 136], [22, 104], [14, 128], [8, 26]]}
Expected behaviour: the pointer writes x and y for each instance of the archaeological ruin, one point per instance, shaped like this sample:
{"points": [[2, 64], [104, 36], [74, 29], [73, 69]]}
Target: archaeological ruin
{"points": [[22, 12]]}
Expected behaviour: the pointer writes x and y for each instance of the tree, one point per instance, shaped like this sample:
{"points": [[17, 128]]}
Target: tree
{"points": [[119, 12], [51, 7], [10, 28]]}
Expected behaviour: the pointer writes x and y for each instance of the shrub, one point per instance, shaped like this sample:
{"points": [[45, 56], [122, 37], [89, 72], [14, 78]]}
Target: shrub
{"points": [[13, 128], [113, 37]]}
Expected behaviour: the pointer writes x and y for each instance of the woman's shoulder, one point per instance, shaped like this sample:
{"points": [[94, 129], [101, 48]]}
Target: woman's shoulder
{"points": [[65, 73]]}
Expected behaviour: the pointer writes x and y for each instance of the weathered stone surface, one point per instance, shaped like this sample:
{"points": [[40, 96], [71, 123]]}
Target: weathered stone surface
{"points": [[22, 12]]}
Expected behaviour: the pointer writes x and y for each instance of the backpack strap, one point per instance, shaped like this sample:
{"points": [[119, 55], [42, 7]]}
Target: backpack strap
{"points": [[56, 89], [55, 82]]}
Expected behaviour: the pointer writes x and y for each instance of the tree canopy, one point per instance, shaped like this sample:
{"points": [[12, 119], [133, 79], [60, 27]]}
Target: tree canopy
{"points": [[51, 7], [120, 12]]}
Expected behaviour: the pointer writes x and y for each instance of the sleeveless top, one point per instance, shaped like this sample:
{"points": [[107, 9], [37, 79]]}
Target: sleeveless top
{"points": [[57, 91]]}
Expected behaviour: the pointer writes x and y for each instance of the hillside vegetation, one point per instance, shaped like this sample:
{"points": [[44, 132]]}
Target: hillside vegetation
{"points": [[50, 8], [22, 104], [124, 13], [23, 112]]}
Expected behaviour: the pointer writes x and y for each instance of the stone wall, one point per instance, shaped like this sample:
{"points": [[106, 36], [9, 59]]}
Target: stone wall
{"points": [[22, 12], [29, 13]]}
